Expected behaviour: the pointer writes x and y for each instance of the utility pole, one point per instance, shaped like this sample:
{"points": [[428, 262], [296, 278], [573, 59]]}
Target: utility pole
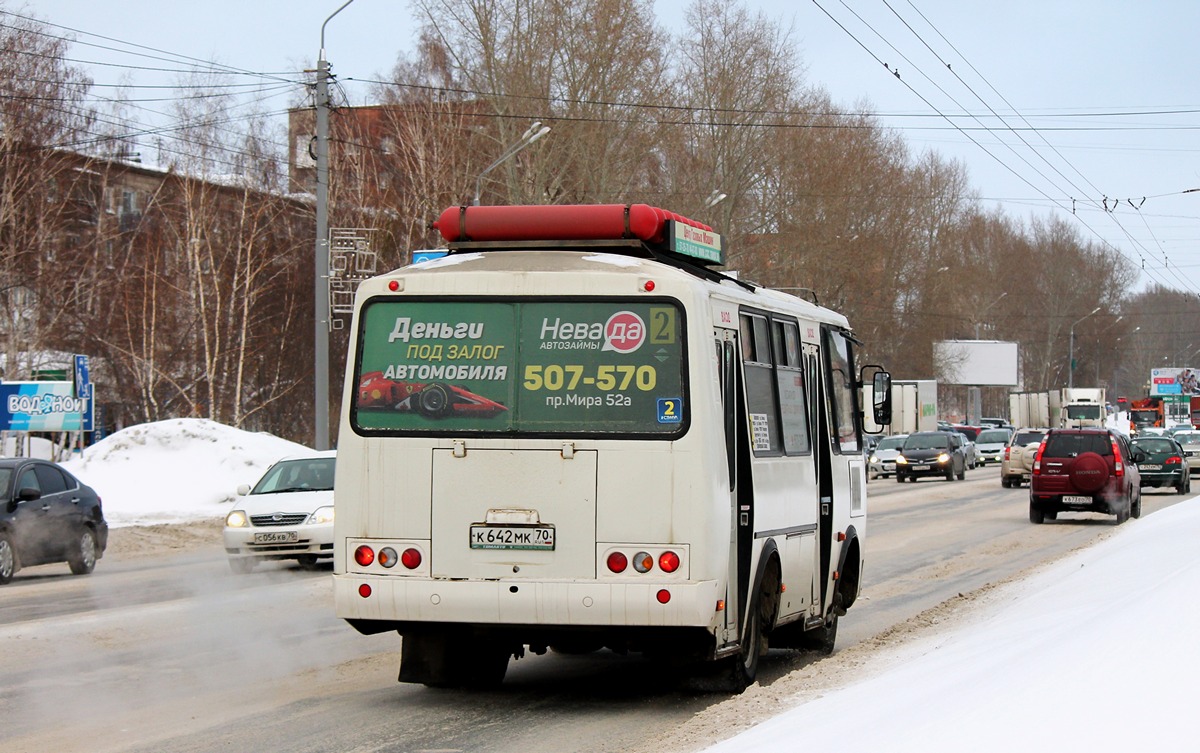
{"points": [[1071, 352], [321, 254]]}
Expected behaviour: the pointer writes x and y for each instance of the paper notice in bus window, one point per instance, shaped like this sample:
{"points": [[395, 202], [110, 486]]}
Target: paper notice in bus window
{"points": [[760, 428]]}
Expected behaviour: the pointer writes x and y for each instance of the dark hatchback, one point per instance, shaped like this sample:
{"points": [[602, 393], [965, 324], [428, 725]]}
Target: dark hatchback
{"points": [[931, 453], [1166, 464], [47, 516], [1085, 470]]}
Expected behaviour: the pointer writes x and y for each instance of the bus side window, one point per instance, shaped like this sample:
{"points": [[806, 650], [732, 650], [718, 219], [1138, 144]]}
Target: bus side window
{"points": [[760, 388], [790, 380], [747, 338], [727, 358], [843, 406]]}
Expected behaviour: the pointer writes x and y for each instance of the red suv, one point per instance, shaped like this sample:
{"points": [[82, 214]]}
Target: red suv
{"points": [[1085, 470]]}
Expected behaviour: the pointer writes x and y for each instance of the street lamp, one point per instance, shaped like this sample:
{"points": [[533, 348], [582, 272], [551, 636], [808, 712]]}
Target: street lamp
{"points": [[986, 308], [1115, 322], [1179, 353], [321, 253], [535, 132], [1071, 358]]}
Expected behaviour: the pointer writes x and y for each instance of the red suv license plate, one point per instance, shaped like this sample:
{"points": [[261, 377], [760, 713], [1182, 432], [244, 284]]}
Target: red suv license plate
{"points": [[1073, 499]]}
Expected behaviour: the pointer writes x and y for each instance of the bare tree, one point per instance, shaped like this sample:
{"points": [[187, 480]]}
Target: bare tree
{"points": [[42, 108]]}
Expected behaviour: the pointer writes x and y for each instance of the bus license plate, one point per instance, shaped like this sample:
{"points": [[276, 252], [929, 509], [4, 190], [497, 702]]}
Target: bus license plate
{"points": [[1076, 500], [512, 537], [277, 537]]}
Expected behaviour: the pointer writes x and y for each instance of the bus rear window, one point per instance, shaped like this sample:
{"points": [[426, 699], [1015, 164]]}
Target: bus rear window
{"points": [[520, 367]]}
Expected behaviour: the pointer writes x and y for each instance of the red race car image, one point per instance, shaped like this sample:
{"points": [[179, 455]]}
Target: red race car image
{"points": [[432, 400]]}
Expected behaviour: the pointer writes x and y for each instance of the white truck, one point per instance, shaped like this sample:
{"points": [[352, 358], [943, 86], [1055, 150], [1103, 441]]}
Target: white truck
{"points": [[1083, 406], [1035, 409], [914, 407]]}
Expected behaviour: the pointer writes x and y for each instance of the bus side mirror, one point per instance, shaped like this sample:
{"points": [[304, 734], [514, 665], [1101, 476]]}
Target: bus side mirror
{"points": [[881, 395]]}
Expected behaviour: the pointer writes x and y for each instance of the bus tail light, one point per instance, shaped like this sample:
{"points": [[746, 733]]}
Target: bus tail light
{"points": [[655, 560], [663, 596], [668, 562], [364, 590], [643, 562], [388, 557], [364, 555], [411, 558], [617, 562]]}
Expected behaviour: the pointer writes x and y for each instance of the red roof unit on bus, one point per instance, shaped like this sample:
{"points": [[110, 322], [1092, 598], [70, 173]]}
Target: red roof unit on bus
{"points": [[559, 222]]}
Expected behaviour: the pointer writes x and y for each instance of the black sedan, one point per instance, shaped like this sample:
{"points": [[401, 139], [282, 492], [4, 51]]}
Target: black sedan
{"points": [[931, 453], [1166, 464], [47, 516]]}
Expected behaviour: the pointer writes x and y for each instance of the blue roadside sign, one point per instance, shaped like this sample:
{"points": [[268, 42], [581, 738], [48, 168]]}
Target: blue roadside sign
{"points": [[44, 406], [82, 380]]}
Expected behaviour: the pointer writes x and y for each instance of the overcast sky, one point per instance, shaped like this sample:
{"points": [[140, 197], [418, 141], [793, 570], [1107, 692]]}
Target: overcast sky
{"points": [[1107, 85]]}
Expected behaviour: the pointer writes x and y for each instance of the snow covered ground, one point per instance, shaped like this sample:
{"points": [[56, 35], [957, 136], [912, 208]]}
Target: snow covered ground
{"points": [[176, 471], [1097, 652]]}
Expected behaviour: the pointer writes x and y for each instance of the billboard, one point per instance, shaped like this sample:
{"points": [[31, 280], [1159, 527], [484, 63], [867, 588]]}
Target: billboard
{"points": [[1175, 381], [44, 406], [976, 363]]}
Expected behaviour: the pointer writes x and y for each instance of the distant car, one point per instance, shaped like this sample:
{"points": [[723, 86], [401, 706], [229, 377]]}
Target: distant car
{"points": [[970, 454], [989, 445], [48, 516], [1016, 464], [971, 432], [1085, 470], [1166, 464], [287, 515], [1190, 442], [995, 423], [931, 453], [883, 460]]}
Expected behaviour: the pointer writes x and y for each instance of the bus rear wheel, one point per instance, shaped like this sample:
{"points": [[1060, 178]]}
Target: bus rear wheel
{"points": [[744, 667], [452, 660]]}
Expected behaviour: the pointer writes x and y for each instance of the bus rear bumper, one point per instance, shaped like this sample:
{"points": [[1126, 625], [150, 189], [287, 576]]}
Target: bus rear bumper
{"points": [[388, 599]]}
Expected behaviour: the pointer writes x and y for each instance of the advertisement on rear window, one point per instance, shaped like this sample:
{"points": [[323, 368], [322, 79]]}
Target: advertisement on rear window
{"points": [[561, 367]]}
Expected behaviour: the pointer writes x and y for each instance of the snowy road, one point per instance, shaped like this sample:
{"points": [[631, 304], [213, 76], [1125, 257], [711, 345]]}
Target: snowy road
{"points": [[172, 652]]}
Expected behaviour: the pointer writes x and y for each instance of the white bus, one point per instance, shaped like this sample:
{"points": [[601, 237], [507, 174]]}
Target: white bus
{"points": [[572, 433]]}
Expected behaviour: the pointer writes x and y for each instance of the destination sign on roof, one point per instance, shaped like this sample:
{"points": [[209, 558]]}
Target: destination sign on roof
{"points": [[695, 243]]}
